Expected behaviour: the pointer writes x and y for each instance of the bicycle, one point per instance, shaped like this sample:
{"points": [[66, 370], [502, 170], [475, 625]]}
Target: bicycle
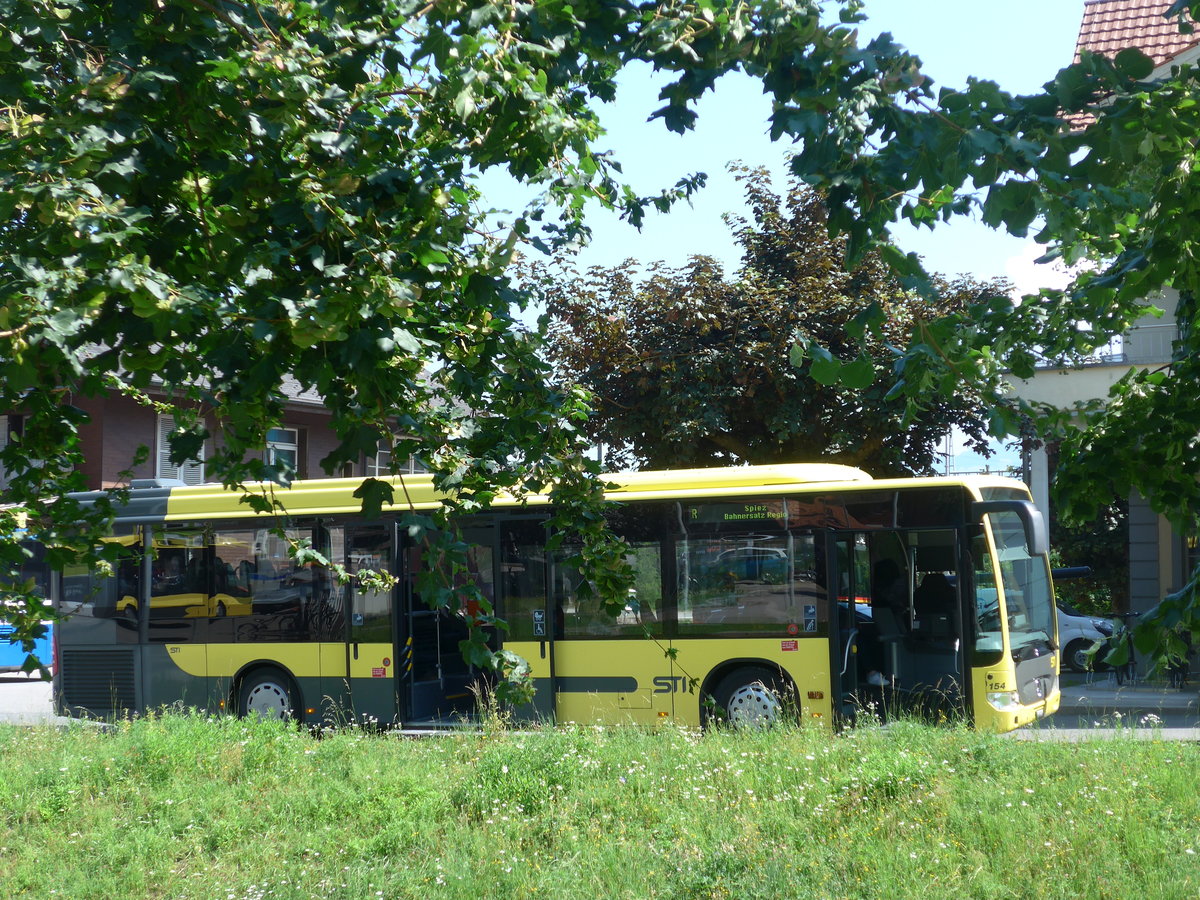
{"points": [[1126, 671]]}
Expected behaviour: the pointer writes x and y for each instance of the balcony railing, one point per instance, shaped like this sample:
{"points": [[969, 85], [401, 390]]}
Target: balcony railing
{"points": [[1142, 345], [1151, 343]]}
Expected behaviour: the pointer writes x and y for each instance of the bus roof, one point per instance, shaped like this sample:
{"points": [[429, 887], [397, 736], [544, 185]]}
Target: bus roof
{"points": [[331, 496]]}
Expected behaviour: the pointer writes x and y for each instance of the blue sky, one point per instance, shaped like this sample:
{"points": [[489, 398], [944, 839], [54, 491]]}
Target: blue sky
{"points": [[1020, 44]]}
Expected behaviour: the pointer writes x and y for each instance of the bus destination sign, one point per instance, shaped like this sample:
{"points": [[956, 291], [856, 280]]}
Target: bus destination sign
{"points": [[748, 513]]}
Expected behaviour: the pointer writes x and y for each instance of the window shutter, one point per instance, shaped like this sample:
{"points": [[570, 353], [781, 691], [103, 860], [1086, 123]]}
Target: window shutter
{"points": [[191, 472]]}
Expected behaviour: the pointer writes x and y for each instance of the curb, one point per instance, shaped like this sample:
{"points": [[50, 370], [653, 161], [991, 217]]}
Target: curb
{"points": [[1090, 700]]}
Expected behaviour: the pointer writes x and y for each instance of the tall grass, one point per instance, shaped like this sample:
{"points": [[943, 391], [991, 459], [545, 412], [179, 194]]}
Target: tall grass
{"points": [[183, 806]]}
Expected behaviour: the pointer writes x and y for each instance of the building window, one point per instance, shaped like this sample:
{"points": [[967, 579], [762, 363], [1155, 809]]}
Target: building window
{"points": [[11, 426], [380, 465], [189, 472], [283, 448], [4, 443]]}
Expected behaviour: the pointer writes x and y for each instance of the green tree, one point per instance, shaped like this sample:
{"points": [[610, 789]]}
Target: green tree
{"points": [[1100, 544], [219, 195], [1100, 165], [220, 192], [690, 369]]}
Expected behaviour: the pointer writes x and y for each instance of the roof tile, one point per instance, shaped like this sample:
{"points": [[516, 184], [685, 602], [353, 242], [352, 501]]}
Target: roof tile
{"points": [[1112, 25]]}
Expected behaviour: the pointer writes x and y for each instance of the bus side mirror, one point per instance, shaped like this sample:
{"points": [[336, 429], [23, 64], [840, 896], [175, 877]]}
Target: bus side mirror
{"points": [[1036, 541]]}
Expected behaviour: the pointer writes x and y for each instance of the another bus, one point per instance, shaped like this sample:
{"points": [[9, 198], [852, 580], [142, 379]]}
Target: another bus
{"points": [[13, 655], [813, 587]]}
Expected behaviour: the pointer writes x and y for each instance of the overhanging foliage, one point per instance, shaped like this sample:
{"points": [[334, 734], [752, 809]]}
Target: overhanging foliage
{"points": [[217, 193]]}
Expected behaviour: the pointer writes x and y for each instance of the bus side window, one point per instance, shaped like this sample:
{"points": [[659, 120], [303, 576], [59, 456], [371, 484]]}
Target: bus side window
{"points": [[585, 616], [85, 592], [326, 614], [179, 583], [736, 582], [523, 578]]}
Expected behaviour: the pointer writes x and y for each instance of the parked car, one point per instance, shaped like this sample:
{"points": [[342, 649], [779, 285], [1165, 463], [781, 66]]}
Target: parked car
{"points": [[1078, 635], [767, 564]]}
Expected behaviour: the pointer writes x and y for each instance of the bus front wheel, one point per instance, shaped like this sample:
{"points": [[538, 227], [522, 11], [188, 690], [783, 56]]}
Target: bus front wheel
{"points": [[267, 694], [751, 697]]}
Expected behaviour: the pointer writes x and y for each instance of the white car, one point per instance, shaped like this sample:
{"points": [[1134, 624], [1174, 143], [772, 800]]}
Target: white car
{"points": [[1078, 634]]}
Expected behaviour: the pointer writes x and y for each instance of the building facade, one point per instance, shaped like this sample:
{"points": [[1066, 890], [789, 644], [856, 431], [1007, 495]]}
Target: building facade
{"points": [[119, 426], [1160, 559]]}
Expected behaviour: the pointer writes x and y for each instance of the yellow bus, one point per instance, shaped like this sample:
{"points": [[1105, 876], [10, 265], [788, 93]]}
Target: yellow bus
{"points": [[811, 590]]}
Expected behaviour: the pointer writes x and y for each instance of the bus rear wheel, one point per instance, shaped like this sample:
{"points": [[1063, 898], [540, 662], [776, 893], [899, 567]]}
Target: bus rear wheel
{"points": [[751, 697], [267, 694]]}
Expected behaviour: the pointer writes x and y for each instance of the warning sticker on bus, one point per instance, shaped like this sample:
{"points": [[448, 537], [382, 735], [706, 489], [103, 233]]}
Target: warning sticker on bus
{"points": [[786, 646], [379, 672]]}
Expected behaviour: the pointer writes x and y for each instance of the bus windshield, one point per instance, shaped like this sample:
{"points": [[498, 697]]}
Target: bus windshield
{"points": [[1028, 608]]}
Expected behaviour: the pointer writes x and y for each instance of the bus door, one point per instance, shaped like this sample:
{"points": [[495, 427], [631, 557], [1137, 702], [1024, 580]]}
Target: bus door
{"points": [[851, 644], [437, 685], [326, 622], [900, 615], [179, 620], [371, 649], [522, 574]]}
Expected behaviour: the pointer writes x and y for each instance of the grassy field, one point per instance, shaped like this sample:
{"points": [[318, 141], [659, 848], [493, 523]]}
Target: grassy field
{"points": [[184, 806]]}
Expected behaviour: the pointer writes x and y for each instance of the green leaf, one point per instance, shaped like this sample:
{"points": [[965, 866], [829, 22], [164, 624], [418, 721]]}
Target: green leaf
{"points": [[374, 494], [827, 371], [405, 341], [859, 374], [432, 257], [796, 354], [464, 104], [1073, 87], [1133, 63]]}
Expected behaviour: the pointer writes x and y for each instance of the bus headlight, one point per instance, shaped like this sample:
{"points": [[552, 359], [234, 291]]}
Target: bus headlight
{"points": [[1003, 699]]}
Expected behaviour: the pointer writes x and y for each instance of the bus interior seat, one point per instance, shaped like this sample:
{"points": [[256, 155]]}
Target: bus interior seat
{"points": [[934, 602], [245, 576], [935, 595]]}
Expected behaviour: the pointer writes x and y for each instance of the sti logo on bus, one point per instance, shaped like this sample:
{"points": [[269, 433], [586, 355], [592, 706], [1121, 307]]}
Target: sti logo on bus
{"points": [[672, 684]]}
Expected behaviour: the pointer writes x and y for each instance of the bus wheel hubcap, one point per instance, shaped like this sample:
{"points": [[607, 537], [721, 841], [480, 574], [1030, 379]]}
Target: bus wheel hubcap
{"points": [[268, 701], [753, 705]]}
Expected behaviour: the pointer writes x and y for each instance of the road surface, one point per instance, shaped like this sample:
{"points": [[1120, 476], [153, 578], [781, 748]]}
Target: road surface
{"points": [[1087, 710]]}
